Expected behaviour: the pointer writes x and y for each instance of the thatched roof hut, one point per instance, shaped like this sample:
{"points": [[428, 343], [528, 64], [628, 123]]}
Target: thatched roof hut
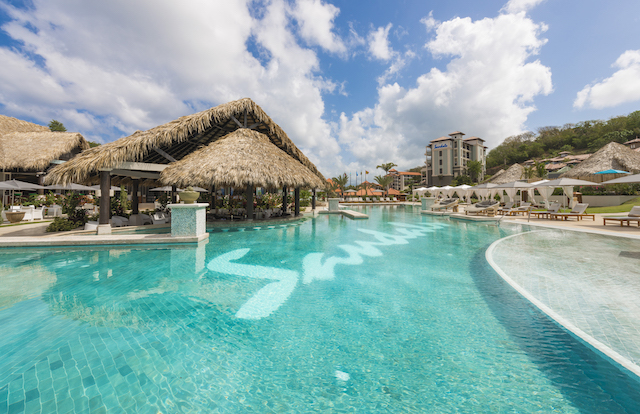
{"points": [[513, 173], [612, 156], [154, 149], [240, 159], [27, 146]]}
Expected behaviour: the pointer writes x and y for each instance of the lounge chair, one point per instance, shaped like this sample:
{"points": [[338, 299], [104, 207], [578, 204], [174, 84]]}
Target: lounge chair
{"points": [[553, 208], [159, 218], [507, 207], [524, 207], [577, 212], [119, 221], [445, 204], [38, 213], [488, 207], [634, 215]]}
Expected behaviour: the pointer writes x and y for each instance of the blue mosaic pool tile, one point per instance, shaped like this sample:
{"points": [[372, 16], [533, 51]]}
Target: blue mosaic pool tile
{"points": [[81, 404], [32, 395], [49, 406], [32, 407], [17, 407], [65, 405]]}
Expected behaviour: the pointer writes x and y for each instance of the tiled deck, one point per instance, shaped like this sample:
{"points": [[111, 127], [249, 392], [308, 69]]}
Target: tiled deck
{"points": [[588, 283]]}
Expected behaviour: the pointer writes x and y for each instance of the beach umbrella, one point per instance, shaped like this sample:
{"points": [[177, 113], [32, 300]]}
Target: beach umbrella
{"points": [[567, 185], [70, 186], [20, 185], [612, 171], [630, 179], [97, 187], [165, 188]]}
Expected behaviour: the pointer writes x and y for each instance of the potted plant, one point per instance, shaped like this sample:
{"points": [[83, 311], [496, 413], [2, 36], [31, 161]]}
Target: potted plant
{"points": [[189, 196]]}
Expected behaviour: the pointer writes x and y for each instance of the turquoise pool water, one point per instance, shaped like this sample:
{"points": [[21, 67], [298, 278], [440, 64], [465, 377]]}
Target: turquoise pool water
{"points": [[398, 313]]}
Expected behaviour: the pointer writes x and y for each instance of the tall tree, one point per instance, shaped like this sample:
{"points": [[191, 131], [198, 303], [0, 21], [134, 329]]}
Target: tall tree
{"points": [[385, 181], [541, 170], [341, 181], [475, 169], [56, 126], [386, 167]]}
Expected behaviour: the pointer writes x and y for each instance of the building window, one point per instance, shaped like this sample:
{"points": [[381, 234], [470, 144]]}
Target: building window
{"points": [[440, 170], [440, 153], [440, 162]]}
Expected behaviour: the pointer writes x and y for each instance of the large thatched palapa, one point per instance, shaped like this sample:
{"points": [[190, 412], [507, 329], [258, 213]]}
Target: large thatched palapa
{"points": [[238, 160], [29, 147], [513, 173], [612, 156], [146, 154]]}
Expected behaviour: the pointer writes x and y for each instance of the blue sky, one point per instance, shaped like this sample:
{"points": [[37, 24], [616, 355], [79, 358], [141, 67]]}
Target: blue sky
{"points": [[353, 83]]}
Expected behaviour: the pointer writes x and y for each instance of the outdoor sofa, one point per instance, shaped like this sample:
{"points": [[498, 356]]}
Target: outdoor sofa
{"points": [[445, 204], [634, 215], [488, 207]]}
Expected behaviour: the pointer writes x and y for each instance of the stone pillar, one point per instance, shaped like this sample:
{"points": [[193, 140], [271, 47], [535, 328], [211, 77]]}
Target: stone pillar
{"points": [[284, 199], [249, 197], [296, 199], [427, 202], [334, 204], [188, 220], [313, 199], [135, 201], [105, 202]]}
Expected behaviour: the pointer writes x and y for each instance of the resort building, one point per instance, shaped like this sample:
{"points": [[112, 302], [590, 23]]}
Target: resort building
{"points": [[634, 144], [447, 158], [401, 179]]}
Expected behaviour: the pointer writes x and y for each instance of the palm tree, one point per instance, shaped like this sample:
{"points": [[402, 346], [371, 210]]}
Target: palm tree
{"points": [[541, 171], [341, 181], [384, 181], [386, 167]]}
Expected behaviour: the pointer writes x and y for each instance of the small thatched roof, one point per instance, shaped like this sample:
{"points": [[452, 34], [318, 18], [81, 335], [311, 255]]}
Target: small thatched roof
{"points": [[513, 173], [612, 156], [28, 146], [240, 159], [36, 150], [175, 140]]}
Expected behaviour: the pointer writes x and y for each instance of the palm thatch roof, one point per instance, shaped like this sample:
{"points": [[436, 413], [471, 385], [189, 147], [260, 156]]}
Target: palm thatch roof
{"points": [[513, 173], [9, 124], [612, 156], [175, 140], [28, 146], [240, 159]]}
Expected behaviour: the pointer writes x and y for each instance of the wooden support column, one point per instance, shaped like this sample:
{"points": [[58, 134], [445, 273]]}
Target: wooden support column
{"points": [[249, 197], [212, 202], [174, 194], [135, 201], [284, 199], [313, 199], [296, 199], [105, 199]]}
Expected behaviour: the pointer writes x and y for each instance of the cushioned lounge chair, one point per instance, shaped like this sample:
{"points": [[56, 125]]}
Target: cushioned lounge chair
{"points": [[577, 212], [488, 207], [524, 207], [447, 203], [553, 208], [634, 215], [508, 206]]}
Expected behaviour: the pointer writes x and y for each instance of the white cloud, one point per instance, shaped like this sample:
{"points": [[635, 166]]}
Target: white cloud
{"points": [[379, 43], [315, 19], [119, 66], [517, 6], [622, 87], [486, 90]]}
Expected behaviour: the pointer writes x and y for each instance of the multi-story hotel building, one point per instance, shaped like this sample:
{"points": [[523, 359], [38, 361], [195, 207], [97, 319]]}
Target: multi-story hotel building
{"points": [[447, 158], [399, 178]]}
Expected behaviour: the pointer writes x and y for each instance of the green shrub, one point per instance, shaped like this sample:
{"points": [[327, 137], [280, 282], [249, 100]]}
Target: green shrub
{"points": [[62, 224]]}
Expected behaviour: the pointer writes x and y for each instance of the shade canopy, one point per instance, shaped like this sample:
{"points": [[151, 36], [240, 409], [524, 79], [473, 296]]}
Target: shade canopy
{"points": [[561, 182], [70, 186], [612, 171], [630, 179], [240, 159], [97, 187]]}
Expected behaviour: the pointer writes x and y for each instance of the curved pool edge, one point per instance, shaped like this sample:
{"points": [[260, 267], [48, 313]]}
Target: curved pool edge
{"points": [[571, 328]]}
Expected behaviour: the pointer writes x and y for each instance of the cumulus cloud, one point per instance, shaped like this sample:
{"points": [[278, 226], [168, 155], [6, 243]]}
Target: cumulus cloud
{"points": [[517, 6], [379, 46], [315, 19], [118, 66], [486, 90], [622, 87]]}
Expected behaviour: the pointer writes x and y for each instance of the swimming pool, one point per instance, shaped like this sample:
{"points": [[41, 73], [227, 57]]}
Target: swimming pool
{"points": [[398, 313]]}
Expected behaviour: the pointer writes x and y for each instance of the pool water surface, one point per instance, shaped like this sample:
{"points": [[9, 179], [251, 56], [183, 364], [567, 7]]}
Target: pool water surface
{"points": [[398, 313]]}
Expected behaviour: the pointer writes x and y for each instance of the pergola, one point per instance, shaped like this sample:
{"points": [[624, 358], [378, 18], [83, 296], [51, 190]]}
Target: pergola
{"points": [[144, 155]]}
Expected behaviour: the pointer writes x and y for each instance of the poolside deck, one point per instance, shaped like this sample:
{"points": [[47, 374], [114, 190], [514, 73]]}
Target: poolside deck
{"points": [[354, 215]]}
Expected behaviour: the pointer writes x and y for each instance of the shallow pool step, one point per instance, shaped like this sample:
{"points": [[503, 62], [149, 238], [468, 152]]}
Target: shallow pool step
{"points": [[355, 215]]}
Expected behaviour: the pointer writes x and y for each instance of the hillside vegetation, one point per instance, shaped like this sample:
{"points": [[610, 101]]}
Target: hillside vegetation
{"points": [[587, 136]]}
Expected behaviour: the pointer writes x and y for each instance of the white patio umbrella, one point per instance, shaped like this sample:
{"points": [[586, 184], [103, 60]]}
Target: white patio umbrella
{"points": [[446, 191], [165, 188], [16, 185], [97, 187], [629, 179], [567, 185], [485, 190], [71, 187]]}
